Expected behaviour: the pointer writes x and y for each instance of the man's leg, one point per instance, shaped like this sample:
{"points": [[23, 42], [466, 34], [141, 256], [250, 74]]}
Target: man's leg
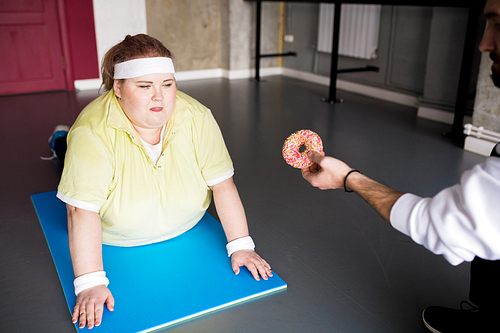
{"points": [[478, 317], [484, 292], [485, 284]]}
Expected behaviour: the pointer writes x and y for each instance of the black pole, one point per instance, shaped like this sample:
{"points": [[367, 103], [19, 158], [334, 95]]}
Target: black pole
{"points": [[465, 72], [332, 96], [257, 40]]}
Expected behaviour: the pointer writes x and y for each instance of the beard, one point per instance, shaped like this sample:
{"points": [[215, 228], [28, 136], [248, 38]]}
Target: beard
{"points": [[495, 69], [495, 77]]}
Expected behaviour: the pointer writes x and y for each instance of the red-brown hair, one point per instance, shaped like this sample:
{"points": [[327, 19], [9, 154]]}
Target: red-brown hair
{"points": [[132, 47]]}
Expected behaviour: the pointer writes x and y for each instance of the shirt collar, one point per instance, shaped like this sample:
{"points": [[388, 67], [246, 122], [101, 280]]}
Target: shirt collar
{"points": [[118, 119]]}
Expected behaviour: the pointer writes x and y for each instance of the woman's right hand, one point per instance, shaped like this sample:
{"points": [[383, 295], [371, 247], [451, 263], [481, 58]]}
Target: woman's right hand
{"points": [[90, 306]]}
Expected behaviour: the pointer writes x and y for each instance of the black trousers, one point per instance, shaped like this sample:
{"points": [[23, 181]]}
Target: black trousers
{"points": [[485, 283], [485, 276]]}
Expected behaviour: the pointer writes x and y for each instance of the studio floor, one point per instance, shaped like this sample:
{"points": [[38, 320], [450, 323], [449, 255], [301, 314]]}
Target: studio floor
{"points": [[347, 270]]}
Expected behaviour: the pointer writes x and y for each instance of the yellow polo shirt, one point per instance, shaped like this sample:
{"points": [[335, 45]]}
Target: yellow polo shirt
{"points": [[107, 170]]}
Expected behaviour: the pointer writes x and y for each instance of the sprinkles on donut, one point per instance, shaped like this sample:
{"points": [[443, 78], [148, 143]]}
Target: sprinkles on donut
{"points": [[307, 138]]}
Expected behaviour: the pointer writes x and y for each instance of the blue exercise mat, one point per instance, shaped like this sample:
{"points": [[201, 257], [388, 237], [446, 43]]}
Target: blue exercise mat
{"points": [[159, 285]]}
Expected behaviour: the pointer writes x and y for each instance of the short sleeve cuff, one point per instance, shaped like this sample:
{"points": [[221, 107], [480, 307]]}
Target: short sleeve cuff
{"points": [[77, 203], [221, 178]]}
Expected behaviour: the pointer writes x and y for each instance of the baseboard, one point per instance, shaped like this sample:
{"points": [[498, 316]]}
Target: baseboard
{"points": [[89, 84], [357, 88], [383, 94], [306, 76], [201, 74], [441, 116], [250, 73], [227, 74], [435, 114], [478, 146]]}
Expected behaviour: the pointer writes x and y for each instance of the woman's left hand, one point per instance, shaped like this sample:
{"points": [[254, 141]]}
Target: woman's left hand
{"points": [[251, 260]]}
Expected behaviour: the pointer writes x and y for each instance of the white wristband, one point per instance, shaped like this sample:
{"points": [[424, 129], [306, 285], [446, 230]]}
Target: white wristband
{"points": [[90, 280], [244, 243]]}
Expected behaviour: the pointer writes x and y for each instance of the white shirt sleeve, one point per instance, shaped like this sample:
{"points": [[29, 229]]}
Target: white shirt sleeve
{"points": [[460, 222], [77, 203], [221, 178]]}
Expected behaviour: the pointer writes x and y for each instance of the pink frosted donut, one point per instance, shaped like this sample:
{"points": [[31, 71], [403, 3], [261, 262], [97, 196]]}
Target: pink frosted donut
{"points": [[291, 153]]}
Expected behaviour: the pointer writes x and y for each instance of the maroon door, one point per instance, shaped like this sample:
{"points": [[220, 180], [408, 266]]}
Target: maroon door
{"points": [[30, 47]]}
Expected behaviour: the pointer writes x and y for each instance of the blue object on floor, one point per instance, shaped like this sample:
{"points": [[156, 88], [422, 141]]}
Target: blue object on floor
{"points": [[159, 285]]}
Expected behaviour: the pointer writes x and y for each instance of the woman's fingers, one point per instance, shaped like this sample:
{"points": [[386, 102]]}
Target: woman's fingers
{"points": [[89, 306], [83, 317], [257, 266], [76, 313], [98, 315]]}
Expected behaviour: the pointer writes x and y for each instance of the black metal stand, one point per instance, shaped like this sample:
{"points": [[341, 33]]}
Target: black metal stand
{"points": [[360, 69], [332, 92], [258, 20], [457, 130], [294, 54], [258, 15]]}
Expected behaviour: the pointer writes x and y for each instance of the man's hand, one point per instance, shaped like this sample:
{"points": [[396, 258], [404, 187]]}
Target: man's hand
{"points": [[326, 172]]}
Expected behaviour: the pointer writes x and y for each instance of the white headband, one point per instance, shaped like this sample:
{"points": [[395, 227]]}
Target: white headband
{"points": [[143, 66]]}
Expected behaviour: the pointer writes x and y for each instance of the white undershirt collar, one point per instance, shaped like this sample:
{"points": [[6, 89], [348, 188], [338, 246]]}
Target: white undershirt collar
{"points": [[154, 151]]}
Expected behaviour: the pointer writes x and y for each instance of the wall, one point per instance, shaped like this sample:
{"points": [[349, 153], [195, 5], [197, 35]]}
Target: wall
{"points": [[82, 39], [404, 34], [487, 103], [213, 34], [192, 30], [484, 132], [302, 23], [114, 19], [221, 34], [446, 43]]}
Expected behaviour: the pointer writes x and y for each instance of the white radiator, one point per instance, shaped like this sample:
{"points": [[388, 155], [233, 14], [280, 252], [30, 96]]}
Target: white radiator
{"points": [[359, 30], [481, 133]]}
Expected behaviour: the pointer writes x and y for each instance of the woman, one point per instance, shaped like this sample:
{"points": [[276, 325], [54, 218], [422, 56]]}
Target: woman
{"points": [[142, 162]]}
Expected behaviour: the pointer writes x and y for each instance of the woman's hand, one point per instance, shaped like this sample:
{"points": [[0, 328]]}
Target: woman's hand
{"points": [[251, 260], [90, 306]]}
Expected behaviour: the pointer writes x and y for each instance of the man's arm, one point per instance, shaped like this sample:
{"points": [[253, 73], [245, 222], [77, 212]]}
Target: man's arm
{"points": [[330, 173], [379, 196]]}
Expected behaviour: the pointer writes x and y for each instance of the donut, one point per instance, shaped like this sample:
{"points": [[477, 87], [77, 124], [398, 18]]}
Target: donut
{"points": [[291, 153]]}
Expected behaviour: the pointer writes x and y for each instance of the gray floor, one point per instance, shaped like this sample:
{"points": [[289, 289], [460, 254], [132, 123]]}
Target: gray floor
{"points": [[347, 270]]}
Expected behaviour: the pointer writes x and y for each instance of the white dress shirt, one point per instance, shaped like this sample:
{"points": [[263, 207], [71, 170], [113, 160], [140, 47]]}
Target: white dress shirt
{"points": [[460, 222]]}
